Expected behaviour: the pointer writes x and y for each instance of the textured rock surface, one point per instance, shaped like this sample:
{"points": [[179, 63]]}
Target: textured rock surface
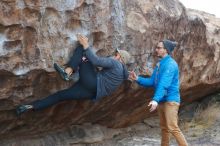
{"points": [[35, 33]]}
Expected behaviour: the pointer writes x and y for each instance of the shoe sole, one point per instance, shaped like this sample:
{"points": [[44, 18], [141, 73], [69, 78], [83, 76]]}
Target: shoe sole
{"points": [[61, 72]]}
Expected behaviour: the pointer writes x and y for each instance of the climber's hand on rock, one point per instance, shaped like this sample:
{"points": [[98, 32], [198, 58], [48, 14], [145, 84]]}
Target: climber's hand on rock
{"points": [[83, 40]]}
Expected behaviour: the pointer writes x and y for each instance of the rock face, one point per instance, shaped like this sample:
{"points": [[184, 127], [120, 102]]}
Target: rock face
{"points": [[36, 33]]}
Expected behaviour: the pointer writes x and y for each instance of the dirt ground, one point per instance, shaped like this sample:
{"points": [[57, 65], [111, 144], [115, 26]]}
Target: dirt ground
{"points": [[199, 121]]}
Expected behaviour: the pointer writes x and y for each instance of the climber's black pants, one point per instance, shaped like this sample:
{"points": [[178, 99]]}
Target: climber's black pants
{"points": [[85, 88]]}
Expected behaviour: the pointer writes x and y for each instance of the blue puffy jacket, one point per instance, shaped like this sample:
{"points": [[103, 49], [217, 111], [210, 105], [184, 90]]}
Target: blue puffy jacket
{"points": [[165, 80]]}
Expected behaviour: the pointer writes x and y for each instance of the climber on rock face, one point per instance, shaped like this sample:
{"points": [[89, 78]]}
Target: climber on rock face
{"points": [[92, 84]]}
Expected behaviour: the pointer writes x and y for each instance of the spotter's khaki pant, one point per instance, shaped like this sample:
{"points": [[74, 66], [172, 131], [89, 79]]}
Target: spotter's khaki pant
{"points": [[168, 113]]}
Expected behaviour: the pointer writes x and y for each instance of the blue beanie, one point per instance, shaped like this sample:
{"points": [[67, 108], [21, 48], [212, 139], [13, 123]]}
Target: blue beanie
{"points": [[169, 45]]}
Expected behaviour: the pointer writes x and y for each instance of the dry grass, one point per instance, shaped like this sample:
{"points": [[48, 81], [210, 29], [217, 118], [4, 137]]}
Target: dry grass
{"points": [[208, 115], [204, 118]]}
